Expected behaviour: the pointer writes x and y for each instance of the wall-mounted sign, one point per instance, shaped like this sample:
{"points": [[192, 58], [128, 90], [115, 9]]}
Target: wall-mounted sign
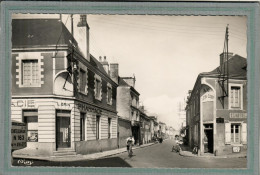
{"points": [[238, 115], [19, 135], [236, 149], [208, 96], [86, 107], [23, 103], [220, 120]]}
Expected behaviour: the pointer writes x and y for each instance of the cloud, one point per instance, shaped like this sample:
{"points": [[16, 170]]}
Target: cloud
{"points": [[166, 109]]}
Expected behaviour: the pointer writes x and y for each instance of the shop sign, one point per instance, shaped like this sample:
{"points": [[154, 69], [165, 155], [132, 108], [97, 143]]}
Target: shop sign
{"points": [[23, 103], [236, 149], [238, 115], [208, 96], [19, 135], [85, 107]]}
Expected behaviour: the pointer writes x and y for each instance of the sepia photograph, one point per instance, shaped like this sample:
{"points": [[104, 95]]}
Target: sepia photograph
{"points": [[139, 91]]}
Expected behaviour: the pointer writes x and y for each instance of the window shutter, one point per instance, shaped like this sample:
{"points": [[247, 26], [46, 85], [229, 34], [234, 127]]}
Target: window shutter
{"points": [[227, 133], [244, 133]]}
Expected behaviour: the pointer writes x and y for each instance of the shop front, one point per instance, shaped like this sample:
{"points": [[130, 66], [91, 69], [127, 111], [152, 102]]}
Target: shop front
{"points": [[64, 124]]}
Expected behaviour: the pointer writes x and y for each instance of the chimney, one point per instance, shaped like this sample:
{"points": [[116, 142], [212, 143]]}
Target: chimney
{"points": [[223, 57], [105, 64], [81, 34], [129, 80], [114, 72]]}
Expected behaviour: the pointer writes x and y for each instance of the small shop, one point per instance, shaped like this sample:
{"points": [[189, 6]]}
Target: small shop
{"points": [[63, 124]]}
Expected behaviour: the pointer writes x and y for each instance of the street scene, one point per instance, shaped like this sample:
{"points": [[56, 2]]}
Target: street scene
{"points": [[140, 91]]}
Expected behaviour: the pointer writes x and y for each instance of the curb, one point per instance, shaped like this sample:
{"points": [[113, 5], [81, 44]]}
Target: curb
{"points": [[77, 158], [225, 156]]}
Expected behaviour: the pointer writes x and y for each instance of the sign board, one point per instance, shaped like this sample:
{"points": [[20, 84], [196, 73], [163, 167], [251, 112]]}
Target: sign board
{"points": [[238, 115], [208, 96], [19, 135], [236, 149], [220, 120]]}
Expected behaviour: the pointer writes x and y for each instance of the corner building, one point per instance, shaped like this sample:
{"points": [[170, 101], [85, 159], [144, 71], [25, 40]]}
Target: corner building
{"points": [[61, 92], [217, 123]]}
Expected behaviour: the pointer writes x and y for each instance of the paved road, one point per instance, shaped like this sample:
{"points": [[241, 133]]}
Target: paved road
{"points": [[158, 155]]}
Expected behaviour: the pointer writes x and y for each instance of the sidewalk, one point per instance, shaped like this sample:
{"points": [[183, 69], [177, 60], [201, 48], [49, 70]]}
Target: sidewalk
{"points": [[79, 157], [187, 152]]}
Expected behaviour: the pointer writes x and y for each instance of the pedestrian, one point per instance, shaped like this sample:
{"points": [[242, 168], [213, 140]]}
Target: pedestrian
{"points": [[129, 143], [176, 146]]}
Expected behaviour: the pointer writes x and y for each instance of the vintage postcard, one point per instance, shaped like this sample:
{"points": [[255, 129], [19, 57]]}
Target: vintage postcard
{"points": [[167, 90]]}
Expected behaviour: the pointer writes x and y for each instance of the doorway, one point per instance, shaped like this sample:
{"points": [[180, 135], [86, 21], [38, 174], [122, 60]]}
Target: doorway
{"points": [[208, 138], [63, 129]]}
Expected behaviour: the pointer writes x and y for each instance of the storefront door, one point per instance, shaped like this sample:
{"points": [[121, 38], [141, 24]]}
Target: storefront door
{"points": [[63, 130], [208, 138]]}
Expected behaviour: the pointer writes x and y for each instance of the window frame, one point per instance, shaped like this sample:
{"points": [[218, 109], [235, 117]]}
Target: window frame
{"points": [[98, 96], [109, 89], [31, 74], [240, 98], [109, 121], [98, 118], [82, 126], [25, 117], [233, 138]]}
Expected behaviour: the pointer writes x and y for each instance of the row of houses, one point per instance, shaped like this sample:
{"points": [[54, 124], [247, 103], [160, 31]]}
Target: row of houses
{"points": [[71, 102], [216, 110]]}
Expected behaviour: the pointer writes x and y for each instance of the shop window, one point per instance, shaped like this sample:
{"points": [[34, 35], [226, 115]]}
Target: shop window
{"points": [[82, 81], [30, 73], [97, 127], [109, 127], [82, 126], [235, 97], [31, 120]]}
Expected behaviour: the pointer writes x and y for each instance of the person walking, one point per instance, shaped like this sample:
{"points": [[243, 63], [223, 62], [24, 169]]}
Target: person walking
{"points": [[129, 143]]}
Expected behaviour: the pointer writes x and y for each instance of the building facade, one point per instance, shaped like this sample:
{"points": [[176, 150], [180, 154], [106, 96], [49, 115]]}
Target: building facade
{"points": [[217, 112], [128, 112], [60, 91]]}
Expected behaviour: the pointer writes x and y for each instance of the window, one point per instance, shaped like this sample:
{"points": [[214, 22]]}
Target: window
{"points": [[98, 87], [235, 133], [82, 126], [97, 127], [109, 94], [31, 120], [235, 97], [109, 127], [82, 81], [30, 73]]}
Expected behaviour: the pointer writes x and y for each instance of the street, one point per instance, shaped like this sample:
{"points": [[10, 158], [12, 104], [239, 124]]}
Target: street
{"points": [[155, 156]]}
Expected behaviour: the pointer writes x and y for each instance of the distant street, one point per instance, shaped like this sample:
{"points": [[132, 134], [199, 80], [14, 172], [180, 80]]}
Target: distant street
{"points": [[158, 155]]}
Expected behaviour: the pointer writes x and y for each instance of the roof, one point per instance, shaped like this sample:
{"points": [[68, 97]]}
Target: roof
{"points": [[45, 32], [94, 62], [39, 32], [236, 68]]}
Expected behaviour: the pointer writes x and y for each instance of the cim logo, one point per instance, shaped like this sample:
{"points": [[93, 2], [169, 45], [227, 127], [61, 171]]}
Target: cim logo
{"points": [[25, 162]]}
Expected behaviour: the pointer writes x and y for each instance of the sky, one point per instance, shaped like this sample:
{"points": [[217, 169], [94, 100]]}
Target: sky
{"points": [[165, 53]]}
